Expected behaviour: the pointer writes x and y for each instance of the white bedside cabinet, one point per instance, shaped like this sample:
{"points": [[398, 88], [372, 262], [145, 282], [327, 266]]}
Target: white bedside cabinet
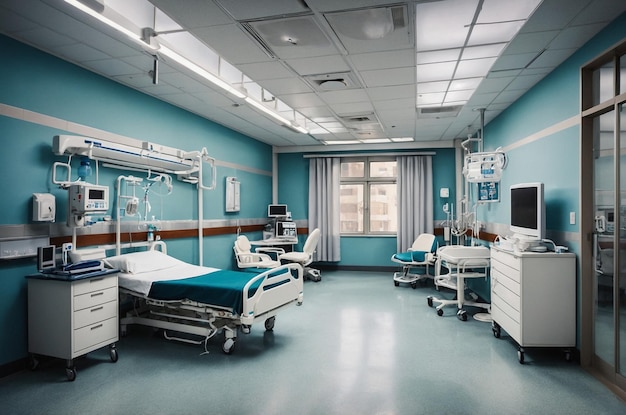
{"points": [[68, 318]]}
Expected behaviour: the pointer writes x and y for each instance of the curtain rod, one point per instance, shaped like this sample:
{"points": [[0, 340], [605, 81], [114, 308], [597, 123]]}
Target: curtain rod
{"points": [[398, 153]]}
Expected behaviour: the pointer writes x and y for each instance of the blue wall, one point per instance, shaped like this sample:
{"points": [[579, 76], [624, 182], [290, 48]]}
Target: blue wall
{"points": [[35, 81]]}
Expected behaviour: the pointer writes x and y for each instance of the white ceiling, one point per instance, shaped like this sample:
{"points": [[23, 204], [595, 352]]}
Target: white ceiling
{"points": [[381, 92]]}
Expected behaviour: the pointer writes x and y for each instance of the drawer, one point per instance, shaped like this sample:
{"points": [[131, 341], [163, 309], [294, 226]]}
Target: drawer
{"points": [[506, 296], [505, 307], [506, 258], [95, 314], [94, 284], [510, 281], [508, 324], [95, 298], [504, 269], [104, 332]]}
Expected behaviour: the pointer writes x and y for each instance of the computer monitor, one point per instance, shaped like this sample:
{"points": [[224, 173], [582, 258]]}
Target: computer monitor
{"points": [[276, 211], [45, 258], [286, 230]]}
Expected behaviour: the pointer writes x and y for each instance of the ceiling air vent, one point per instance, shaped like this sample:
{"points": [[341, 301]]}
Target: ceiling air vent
{"points": [[332, 81], [439, 112], [257, 38]]}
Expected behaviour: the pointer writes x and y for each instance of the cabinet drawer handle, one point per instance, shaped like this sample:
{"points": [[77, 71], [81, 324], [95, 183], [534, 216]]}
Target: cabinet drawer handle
{"points": [[97, 309], [97, 294], [96, 327], [92, 280]]}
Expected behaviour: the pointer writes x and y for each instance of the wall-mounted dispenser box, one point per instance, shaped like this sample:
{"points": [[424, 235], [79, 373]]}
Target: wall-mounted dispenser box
{"points": [[233, 203], [44, 207], [444, 192]]}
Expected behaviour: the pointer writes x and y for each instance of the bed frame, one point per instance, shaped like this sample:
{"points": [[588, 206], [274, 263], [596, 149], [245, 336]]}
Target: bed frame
{"points": [[206, 320]]}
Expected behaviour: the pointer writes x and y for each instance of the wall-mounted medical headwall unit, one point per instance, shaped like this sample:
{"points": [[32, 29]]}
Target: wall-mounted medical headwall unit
{"points": [[484, 167], [233, 188], [135, 154]]}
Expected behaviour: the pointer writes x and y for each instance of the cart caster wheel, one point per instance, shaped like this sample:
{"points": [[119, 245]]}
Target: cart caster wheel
{"points": [[269, 323], [440, 312], [113, 354], [496, 332], [462, 315], [520, 356], [70, 372], [33, 363], [245, 329], [396, 283], [568, 356], [229, 346], [413, 285], [430, 300]]}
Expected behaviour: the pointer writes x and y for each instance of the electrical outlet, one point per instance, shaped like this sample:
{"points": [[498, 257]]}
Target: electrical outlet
{"points": [[572, 218]]}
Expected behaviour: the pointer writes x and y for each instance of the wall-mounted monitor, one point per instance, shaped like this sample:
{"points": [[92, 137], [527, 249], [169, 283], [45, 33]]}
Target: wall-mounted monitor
{"points": [[276, 211], [528, 211]]}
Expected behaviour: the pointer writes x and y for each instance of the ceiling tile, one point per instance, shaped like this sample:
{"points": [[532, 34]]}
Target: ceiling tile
{"points": [[285, 86], [231, 43], [318, 65], [80, 52], [553, 15], [383, 60], [391, 92], [552, 58], [340, 97], [530, 42], [255, 9], [513, 62], [575, 37], [302, 100], [389, 77], [363, 107], [265, 70], [111, 67], [193, 13], [600, 11]]}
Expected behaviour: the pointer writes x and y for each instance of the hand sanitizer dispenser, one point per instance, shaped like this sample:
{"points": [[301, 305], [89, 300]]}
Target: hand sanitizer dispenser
{"points": [[44, 207]]}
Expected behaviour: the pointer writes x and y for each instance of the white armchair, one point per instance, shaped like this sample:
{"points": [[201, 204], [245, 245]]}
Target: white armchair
{"points": [[248, 259], [305, 257]]}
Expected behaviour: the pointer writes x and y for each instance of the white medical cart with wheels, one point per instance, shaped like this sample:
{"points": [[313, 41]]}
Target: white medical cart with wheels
{"points": [[68, 318], [533, 298]]}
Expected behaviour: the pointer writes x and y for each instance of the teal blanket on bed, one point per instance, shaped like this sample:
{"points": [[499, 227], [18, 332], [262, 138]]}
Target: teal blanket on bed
{"points": [[220, 288]]}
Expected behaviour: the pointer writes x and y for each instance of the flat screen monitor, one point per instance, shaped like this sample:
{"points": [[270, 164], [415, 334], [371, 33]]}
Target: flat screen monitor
{"points": [[45, 258], [528, 218], [276, 211]]}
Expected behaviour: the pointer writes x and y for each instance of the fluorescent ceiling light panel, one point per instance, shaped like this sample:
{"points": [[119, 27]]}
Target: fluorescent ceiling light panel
{"points": [[430, 87], [435, 71], [484, 51], [499, 10], [453, 96], [443, 24], [494, 32], [474, 68], [337, 142], [445, 55], [375, 140], [401, 139], [462, 84]]}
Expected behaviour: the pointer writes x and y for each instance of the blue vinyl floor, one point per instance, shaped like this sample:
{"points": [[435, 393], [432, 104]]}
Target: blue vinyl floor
{"points": [[358, 345]]}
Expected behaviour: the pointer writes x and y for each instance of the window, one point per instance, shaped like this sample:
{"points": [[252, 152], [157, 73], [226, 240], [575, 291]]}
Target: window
{"points": [[368, 196]]}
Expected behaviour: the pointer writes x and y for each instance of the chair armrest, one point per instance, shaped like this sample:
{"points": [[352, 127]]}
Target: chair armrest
{"points": [[271, 251]]}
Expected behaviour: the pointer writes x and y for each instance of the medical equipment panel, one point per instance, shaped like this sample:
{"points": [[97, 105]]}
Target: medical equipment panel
{"points": [[286, 230], [276, 211], [85, 198], [45, 258]]}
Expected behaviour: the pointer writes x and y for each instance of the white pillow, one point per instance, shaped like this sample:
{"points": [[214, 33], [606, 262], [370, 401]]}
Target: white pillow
{"points": [[137, 262]]}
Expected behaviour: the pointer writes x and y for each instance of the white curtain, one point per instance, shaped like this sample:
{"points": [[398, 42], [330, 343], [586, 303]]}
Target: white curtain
{"points": [[415, 199], [324, 181]]}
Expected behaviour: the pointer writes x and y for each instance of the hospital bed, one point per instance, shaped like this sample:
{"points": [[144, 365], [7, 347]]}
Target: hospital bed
{"points": [[462, 262], [182, 298]]}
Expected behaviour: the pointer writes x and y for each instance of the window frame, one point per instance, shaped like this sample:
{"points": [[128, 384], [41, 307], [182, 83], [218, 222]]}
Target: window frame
{"points": [[367, 181]]}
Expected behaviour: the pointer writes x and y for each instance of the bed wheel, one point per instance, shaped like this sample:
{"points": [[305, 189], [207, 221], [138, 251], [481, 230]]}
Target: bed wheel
{"points": [[229, 346], [413, 285], [440, 312], [430, 300], [269, 323], [396, 283]]}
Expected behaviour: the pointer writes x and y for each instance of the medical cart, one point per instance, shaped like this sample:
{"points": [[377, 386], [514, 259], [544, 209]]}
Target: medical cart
{"points": [[70, 316]]}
